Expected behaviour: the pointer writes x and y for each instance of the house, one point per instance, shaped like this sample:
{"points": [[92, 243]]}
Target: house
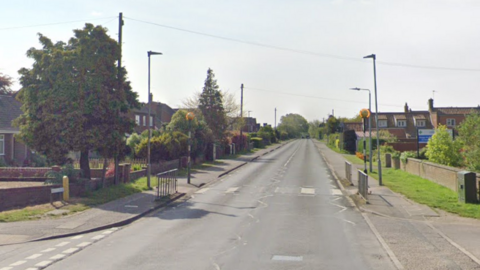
{"points": [[12, 151], [250, 125], [449, 116], [163, 114], [141, 118]]}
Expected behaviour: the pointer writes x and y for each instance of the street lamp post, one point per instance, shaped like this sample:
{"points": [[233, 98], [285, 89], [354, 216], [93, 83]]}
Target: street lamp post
{"points": [[369, 123], [376, 117], [149, 121], [190, 116]]}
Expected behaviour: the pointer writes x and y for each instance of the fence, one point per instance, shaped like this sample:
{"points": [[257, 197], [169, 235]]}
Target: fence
{"points": [[363, 184], [167, 183], [97, 163], [348, 171]]}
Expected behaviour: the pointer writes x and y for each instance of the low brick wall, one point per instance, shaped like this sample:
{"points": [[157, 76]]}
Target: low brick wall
{"points": [[137, 174], [20, 197], [440, 174], [16, 172]]}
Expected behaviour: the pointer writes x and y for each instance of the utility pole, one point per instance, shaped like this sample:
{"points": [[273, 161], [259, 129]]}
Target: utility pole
{"points": [[275, 119], [119, 72], [241, 119]]}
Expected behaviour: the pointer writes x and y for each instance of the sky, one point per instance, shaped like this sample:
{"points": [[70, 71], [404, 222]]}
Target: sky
{"points": [[299, 56]]}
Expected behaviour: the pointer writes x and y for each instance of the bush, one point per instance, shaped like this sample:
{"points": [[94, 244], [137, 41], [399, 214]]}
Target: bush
{"points": [[168, 146], [407, 154], [442, 149], [66, 170], [257, 142]]}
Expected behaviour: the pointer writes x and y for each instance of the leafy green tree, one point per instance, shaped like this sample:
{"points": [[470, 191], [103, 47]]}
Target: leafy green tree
{"points": [[469, 135], [267, 133], [442, 149], [293, 124], [332, 124], [73, 98], [211, 106], [314, 129], [201, 133], [5, 84]]}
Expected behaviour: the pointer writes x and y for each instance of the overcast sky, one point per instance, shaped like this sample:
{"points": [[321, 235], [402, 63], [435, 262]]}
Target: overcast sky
{"points": [[313, 49]]}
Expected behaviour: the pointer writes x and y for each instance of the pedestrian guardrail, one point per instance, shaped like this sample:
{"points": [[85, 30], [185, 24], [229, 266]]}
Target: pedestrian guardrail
{"points": [[362, 184], [167, 183], [348, 171]]}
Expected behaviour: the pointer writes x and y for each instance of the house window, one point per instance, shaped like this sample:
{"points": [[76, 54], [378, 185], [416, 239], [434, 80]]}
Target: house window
{"points": [[421, 123], [145, 120], [382, 123], [151, 121], [450, 122], [401, 123], [137, 119], [2, 145]]}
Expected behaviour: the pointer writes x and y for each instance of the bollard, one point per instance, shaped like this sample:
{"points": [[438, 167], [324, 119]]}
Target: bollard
{"points": [[66, 190]]}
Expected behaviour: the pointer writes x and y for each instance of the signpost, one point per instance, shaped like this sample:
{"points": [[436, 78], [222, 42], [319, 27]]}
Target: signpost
{"points": [[365, 114]]}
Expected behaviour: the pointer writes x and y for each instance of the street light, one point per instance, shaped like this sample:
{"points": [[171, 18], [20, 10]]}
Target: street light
{"points": [[190, 116], [369, 122], [376, 117], [149, 119]]}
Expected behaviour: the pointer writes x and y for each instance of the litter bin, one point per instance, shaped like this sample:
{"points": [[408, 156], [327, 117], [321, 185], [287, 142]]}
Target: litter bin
{"points": [[467, 188]]}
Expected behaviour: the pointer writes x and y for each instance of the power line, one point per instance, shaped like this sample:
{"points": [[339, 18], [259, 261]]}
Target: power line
{"points": [[348, 58], [56, 23], [316, 97]]}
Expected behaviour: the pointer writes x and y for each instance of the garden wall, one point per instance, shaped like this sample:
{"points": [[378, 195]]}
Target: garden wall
{"points": [[440, 174]]}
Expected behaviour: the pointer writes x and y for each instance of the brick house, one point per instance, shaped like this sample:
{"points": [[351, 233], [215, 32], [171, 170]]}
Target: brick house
{"points": [[12, 151], [141, 118], [449, 116], [163, 114]]}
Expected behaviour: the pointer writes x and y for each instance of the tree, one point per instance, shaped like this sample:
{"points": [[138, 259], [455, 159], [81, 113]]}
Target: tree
{"points": [[267, 133], [293, 124], [73, 99], [5, 84], [442, 149], [211, 106], [469, 135], [314, 129]]}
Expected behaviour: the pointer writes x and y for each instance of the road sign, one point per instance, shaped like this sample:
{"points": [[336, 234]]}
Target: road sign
{"points": [[425, 134]]}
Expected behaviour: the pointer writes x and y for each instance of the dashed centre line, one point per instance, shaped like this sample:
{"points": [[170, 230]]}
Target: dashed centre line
{"points": [[34, 256], [62, 244], [98, 237], [44, 263], [77, 237], [18, 263], [71, 250], [307, 191], [57, 257], [48, 250], [232, 190], [84, 244]]}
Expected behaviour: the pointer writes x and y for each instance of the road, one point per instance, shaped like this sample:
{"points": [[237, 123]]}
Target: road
{"points": [[282, 211]]}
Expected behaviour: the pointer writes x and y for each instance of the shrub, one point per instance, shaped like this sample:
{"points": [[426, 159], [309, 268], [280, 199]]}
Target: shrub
{"points": [[442, 149], [257, 142], [407, 154], [66, 170], [167, 146]]}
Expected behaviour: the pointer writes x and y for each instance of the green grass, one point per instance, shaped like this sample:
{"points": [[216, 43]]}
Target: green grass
{"points": [[75, 205], [426, 192]]}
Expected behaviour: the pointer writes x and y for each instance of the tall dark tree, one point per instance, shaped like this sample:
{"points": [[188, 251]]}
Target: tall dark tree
{"points": [[72, 98], [211, 106], [5, 84]]}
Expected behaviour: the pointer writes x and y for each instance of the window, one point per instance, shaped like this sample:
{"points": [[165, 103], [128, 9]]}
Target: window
{"points": [[145, 120], [151, 121], [137, 119], [2, 145], [450, 122], [421, 123], [401, 123], [382, 123]]}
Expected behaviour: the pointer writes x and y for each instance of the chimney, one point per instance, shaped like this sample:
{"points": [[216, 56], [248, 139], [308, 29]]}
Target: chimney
{"points": [[430, 105], [406, 108]]}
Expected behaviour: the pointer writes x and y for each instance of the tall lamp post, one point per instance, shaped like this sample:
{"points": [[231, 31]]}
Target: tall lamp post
{"points": [[376, 117], [149, 121], [190, 116], [369, 123]]}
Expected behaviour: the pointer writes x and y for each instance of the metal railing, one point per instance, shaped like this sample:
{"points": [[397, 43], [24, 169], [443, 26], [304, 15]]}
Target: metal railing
{"points": [[167, 183], [362, 184], [348, 171]]}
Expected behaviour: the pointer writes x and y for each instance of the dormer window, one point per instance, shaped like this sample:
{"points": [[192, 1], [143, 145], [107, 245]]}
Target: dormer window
{"points": [[401, 123], [450, 122], [382, 123], [421, 123]]}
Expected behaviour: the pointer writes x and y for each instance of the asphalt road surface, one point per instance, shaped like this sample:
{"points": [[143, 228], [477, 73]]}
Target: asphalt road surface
{"points": [[282, 211]]}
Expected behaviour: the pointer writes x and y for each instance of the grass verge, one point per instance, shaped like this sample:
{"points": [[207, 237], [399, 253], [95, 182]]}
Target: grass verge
{"points": [[426, 192], [75, 205]]}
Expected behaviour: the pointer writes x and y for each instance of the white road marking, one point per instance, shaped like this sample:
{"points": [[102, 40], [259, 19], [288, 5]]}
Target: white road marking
{"points": [[336, 192], [44, 263], [18, 263], [131, 206], [203, 190], [307, 191], [48, 250], [232, 190], [77, 237], [98, 237], [57, 257], [277, 189], [34, 256], [32, 268], [62, 244], [71, 250], [287, 258], [6, 268], [107, 232], [84, 244]]}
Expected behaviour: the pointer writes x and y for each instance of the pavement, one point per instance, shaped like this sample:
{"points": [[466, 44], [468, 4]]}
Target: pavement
{"points": [[418, 236], [122, 211]]}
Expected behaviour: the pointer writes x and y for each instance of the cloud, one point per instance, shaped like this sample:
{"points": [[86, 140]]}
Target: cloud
{"points": [[96, 13]]}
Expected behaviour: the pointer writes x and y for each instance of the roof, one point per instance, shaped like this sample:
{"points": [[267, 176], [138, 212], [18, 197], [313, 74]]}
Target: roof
{"points": [[457, 110], [9, 110], [144, 109]]}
